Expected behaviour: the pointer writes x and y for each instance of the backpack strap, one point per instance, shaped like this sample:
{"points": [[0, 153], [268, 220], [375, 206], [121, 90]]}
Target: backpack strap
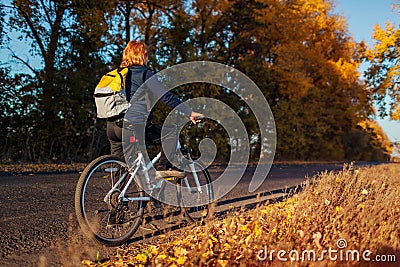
{"points": [[121, 77]]}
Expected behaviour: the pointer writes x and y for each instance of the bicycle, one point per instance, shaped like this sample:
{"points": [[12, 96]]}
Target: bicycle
{"points": [[110, 199]]}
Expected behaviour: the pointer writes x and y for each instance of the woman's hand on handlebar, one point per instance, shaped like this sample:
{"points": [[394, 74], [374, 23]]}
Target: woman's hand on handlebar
{"points": [[196, 117]]}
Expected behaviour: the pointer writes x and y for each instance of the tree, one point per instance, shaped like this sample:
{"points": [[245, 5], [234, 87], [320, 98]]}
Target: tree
{"points": [[383, 75], [64, 36], [368, 142], [298, 52], [314, 86]]}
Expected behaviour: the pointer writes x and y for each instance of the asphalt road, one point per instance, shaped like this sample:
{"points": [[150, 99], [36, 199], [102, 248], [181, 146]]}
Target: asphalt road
{"points": [[38, 225]]}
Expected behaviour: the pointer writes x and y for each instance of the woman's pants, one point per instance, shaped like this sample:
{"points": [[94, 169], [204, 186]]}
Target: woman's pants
{"points": [[134, 142]]}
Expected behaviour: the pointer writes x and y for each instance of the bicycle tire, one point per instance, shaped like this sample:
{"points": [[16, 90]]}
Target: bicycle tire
{"points": [[114, 222], [192, 212]]}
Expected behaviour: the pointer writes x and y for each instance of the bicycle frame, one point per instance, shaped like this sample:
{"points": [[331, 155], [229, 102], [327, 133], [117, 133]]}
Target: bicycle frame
{"points": [[139, 162]]}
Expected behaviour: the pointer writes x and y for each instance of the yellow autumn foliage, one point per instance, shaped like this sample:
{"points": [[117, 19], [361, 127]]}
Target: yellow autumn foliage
{"points": [[363, 210]]}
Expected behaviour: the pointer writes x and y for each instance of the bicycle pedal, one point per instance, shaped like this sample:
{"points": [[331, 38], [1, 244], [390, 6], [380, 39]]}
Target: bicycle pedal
{"points": [[170, 174]]}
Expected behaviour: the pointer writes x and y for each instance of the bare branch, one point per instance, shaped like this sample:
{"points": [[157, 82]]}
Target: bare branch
{"points": [[26, 64], [123, 11], [46, 12], [140, 11], [5, 6], [35, 33]]}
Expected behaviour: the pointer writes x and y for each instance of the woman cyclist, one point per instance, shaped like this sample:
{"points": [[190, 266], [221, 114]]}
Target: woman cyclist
{"points": [[135, 57]]}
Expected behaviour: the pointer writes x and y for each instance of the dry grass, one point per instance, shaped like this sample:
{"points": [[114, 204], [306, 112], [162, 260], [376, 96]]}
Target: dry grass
{"points": [[361, 206]]}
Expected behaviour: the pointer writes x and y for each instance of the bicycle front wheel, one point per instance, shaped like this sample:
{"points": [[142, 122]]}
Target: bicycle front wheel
{"points": [[196, 193], [102, 215]]}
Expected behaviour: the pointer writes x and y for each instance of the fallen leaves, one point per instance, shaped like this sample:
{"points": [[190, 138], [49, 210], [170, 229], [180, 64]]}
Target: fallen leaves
{"points": [[364, 192], [305, 221]]}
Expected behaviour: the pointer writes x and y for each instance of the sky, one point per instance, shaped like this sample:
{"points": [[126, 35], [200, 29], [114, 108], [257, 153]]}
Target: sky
{"points": [[362, 16]]}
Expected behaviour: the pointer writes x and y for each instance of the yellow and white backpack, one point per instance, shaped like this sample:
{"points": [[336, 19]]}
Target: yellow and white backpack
{"points": [[109, 94]]}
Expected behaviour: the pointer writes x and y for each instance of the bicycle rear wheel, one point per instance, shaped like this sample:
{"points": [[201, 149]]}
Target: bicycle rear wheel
{"points": [[110, 221], [195, 201]]}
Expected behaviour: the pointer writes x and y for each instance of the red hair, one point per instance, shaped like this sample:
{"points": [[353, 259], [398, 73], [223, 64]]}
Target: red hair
{"points": [[135, 53]]}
